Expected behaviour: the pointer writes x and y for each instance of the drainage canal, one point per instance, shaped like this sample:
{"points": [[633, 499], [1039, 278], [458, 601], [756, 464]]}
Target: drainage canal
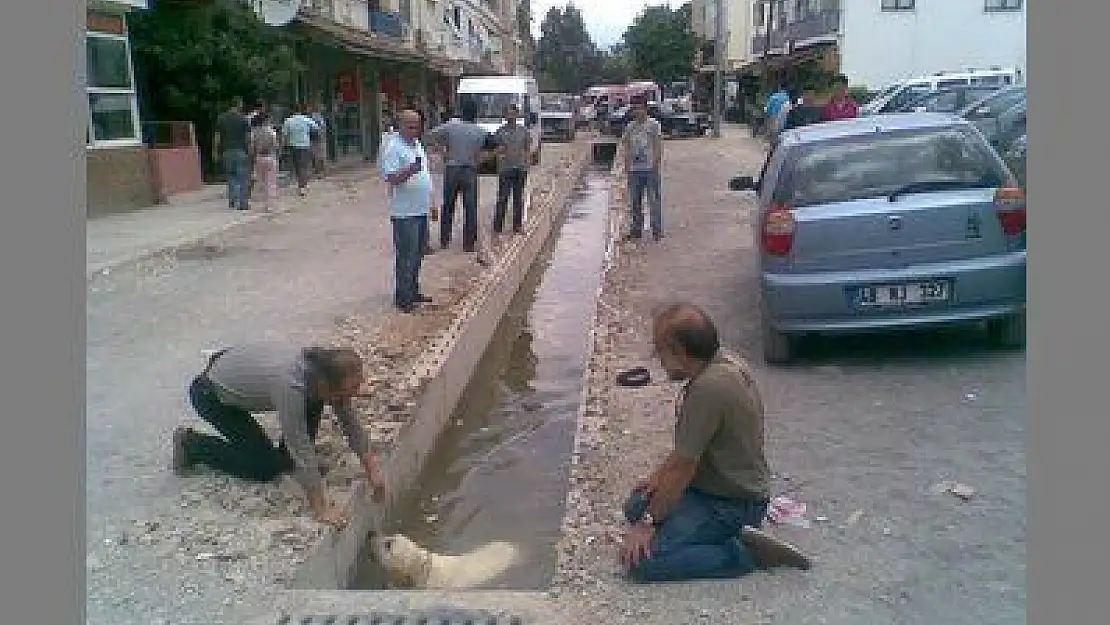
{"points": [[500, 468]]}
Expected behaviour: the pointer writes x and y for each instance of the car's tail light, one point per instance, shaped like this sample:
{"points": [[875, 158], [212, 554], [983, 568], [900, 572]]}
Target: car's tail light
{"points": [[1009, 205], [778, 230]]}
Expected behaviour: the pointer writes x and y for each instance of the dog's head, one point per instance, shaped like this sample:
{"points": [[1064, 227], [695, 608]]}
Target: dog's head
{"points": [[406, 563]]}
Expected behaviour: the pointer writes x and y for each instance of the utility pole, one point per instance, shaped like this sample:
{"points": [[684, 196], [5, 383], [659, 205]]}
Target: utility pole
{"points": [[718, 69]]}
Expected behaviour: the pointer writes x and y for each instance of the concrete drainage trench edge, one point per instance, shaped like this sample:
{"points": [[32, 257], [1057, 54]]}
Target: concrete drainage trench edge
{"points": [[331, 565]]}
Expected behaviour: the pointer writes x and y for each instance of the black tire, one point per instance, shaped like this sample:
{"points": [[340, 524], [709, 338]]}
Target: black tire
{"points": [[1008, 331], [778, 348]]}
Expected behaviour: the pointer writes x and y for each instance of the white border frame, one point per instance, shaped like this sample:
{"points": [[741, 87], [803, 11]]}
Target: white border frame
{"points": [[136, 139]]}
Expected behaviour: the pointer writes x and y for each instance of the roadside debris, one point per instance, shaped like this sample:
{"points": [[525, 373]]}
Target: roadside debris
{"points": [[786, 511], [963, 491]]}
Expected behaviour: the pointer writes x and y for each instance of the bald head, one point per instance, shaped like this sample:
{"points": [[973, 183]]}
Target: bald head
{"points": [[688, 329], [409, 122]]}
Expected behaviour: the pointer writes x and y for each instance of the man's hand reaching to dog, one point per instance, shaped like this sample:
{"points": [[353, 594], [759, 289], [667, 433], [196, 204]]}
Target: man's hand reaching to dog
{"points": [[325, 511], [374, 477]]}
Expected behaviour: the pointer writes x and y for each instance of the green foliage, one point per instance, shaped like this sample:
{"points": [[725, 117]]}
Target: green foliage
{"points": [[566, 56], [193, 58], [662, 44]]}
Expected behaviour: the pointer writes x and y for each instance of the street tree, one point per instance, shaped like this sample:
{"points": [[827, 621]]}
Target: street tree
{"points": [[193, 58], [567, 57], [661, 44]]}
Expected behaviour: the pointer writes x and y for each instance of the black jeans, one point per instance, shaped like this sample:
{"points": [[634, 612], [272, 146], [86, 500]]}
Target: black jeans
{"points": [[410, 238], [511, 180], [245, 450], [460, 179]]}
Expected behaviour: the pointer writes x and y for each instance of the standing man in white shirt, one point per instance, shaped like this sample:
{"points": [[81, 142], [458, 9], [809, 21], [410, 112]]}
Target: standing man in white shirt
{"points": [[404, 165], [297, 133], [643, 149]]}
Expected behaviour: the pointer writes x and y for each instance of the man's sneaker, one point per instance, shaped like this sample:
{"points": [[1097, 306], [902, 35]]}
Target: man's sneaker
{"points": [[771, 552], [181, 462]]}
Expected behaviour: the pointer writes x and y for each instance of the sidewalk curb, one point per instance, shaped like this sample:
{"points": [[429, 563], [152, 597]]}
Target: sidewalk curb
{"points": [[204, 195], [174, 244]]}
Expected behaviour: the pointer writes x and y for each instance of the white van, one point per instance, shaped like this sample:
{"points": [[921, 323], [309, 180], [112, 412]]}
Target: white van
{"points": [[901, 92], [491, 94]]}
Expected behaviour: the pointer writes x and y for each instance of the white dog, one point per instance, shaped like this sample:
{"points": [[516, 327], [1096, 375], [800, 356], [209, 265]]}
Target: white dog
{"points": [[409, 565]]}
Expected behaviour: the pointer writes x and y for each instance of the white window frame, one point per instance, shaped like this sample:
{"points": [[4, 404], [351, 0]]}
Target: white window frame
{"points": [[898, 5], [136, 138], [1002, 6]]}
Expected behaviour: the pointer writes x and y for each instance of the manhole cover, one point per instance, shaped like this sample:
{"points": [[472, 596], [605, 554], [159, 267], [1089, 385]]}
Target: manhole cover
{"points": [[425, 617]]}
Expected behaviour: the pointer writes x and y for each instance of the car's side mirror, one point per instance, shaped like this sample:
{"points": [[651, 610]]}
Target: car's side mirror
{"points": [[742, 183]]}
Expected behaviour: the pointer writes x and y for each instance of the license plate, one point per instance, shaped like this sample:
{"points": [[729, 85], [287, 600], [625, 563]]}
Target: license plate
{"points": [[909, 294]]}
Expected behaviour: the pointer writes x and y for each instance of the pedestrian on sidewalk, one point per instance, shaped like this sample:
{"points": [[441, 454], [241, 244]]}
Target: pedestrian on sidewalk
{"points": [[514, 147], [264, 148], [297, 134], [643, 148], [404, 165], [804, 112], [296, 383], [232, 129], [463, 140], [697, 516]]}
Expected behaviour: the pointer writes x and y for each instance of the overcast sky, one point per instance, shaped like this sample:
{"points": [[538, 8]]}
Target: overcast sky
{"points": [[605, 19]]}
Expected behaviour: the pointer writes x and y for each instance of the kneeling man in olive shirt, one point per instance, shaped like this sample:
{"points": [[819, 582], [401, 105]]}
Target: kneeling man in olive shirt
{"points": [[697, 516]]}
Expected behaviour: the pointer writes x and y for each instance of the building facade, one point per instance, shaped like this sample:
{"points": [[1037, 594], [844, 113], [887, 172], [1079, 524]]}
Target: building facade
{"points": [[117, 170], [877, 42], [737, 30]]}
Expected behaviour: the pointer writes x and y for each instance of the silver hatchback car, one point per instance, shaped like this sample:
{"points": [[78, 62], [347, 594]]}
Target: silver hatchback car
{"points": [[885, 223]]}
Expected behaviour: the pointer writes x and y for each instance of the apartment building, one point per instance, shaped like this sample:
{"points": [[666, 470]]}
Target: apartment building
{"points": [[737, 31], [117, 171], [877, 42]]}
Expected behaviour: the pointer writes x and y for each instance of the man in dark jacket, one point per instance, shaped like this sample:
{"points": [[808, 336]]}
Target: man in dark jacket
{"points": [[804, 113]]}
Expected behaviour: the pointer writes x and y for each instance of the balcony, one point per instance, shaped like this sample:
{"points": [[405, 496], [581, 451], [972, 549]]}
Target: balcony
{"points": [[813, 25]]}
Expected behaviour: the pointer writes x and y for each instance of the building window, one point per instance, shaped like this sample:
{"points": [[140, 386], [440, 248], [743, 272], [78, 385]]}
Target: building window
{"points": [[1003, 5], [113, 105], [898, 5]]}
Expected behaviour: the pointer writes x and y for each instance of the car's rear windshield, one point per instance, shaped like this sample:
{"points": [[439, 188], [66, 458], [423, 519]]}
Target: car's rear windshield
{"points": [[883, 163]]}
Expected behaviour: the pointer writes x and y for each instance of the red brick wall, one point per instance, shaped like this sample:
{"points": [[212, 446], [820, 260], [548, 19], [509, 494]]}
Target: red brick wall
{"points": [[174, 170], [117, 180]]}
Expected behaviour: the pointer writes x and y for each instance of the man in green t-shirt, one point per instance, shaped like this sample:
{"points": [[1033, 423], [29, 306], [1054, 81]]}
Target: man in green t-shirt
{"points": [[697, 516]]}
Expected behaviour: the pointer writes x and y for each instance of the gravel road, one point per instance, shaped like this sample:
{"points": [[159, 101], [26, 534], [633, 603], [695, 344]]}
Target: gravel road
{"points": [[862, 431]]}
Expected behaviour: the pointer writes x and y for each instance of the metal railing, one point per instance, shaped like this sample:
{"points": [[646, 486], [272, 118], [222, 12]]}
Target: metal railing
{"points": [[813, 23]]}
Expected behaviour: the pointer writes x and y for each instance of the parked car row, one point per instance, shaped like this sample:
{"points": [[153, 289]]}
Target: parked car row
{"points": [[888, 222]]}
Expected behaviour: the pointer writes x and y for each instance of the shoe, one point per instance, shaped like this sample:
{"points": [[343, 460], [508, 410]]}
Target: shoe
{"points": [[444, 245], [518, 230], [428, 251], [658, 236], [406, 308], [423, 299], [181, 462], [771, 552], [633, 237]]}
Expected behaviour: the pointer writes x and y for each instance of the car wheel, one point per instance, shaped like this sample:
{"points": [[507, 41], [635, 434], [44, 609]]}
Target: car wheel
{"points": [[1008, 331], [778, 348]]}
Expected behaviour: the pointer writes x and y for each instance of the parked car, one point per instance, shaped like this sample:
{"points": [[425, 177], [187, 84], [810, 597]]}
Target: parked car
{"points": [[883, 223], [947, 100], [677, 124], [1000, 117], [558, 116], [894, 97]]}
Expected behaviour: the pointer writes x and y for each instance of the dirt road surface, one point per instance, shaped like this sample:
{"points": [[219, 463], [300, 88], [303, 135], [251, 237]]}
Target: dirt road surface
{"points": [[862, 431]]}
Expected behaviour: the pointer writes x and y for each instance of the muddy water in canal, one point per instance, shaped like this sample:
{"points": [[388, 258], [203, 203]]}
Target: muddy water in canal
{"points": [[500, 469]]}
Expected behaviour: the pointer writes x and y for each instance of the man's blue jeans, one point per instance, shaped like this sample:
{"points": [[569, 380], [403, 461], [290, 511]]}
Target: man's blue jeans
{"points": [[639, 184], [699, 539], [410, 237], [237, 169]]}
